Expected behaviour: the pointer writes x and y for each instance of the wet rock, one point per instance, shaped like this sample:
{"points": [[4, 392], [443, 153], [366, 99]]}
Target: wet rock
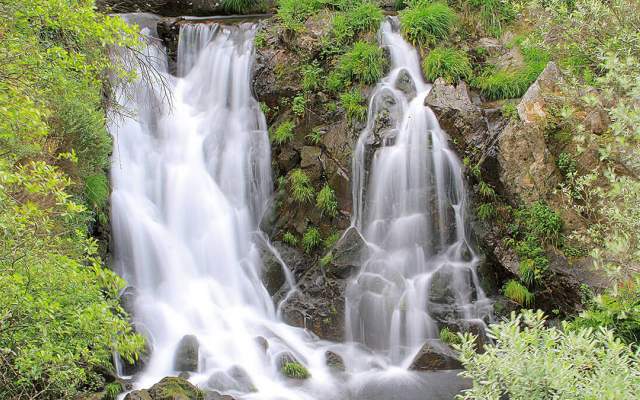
{"points": [[287, 158], [445, 284], [405, 84], [213, 395], [532, 106], [435, 356], [128, 299], [310, 161], [169, 388], [273, 275], [439, 385], [347, 253], [334, 360], [186, 357], [235, 378], [262, 342]]}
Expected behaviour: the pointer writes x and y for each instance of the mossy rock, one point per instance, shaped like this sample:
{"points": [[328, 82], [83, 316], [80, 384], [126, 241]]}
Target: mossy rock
{"points": [[169, 388]]}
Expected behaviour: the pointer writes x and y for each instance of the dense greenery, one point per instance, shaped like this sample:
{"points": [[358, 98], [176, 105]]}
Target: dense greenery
{"points": [[59, 316], [449, 64], [425, 23]]}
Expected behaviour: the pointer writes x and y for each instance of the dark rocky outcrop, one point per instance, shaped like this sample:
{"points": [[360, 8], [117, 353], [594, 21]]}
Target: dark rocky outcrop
{"points": [[346, 255], [435, 356], [186, 358], [169, 388]]}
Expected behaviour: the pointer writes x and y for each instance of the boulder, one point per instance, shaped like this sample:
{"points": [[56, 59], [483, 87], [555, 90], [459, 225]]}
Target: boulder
{"points": [[128, 299], [405, 84], [435, 356], [532, 106], [347, 253], [235, 378], [334, 360], [169, 388], [186, 357]]}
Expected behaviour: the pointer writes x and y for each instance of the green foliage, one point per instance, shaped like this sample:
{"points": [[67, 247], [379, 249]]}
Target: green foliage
{"points": [[515, 291], [315, 137], [326, 201], [529, 273], [354, 105], [293, 13], [238, 6], [330, 240], [540, 220], [260, 40], [450, 64], [486, 211], [283, 133], [290, 239], [311, 239], [301, 189], [364, 63], [510, 111], [494, 14], [529, 361], [326, 259], [112, 390], [449, 337], [425, 23], [311, 74], [96, 191], [566, 164], [295, 370], [487, 191], [299, 105]]}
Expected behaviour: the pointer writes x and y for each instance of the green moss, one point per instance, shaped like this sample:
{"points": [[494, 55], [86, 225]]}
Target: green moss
{"points": [[295, 370], [425, 23], [450, 64]]}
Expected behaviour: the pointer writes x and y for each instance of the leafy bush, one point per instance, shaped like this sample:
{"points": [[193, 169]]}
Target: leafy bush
{"points": [[515, 291], [354, 105], [425, 23], [566, 164], [311, 239], [311, 74], [326, 201], [301, 189], [238, 6], [295, 370], [529, 273], [363, 63], [450, 64], [541, 221], [529, 361], [293, 13], [299, 105], [290, 239], [283, 133], [486, 211]]}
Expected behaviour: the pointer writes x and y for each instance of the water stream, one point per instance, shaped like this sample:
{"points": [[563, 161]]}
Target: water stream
{"points": [[191, 176]]}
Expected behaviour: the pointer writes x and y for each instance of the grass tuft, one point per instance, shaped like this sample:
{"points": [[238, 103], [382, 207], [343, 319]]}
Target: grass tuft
{"points": [[450, 64]]}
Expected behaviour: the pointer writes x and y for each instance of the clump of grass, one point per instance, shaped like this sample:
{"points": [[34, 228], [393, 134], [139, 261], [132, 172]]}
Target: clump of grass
{"points": [[301, 189], [290, 239], [448, 336], [517, 292], [299, 105], [354, 105], [96, 189], [315, 136], [293, 13], [326, 259], [486, 211], [510, 111], [529, 274], [283, 133], [112, 390], [238, 6], [311, 239], [295, 370], [450, 64], [363, 63], [425, 23], [345, 26], [494, 14], [326, 201], [487, 191], [330, 240], [365, 17]]}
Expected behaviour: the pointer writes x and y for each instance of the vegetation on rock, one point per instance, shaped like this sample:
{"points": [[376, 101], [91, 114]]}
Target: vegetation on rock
{"points": [[450, 64], [295, 370]]}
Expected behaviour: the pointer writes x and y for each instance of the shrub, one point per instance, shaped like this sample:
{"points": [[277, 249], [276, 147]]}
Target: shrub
{"points": [[326, 201], [311, 76], [529, 274], [540, 220], [566, 164], [449, 64], [299, 105], [515, 291], [486, 190], [311, 239], [301, 189], [354, 105], [425, 23], [283, 133], [295, 370], [528, 361], [238, 6], [363, 63], [290, 239], [486, 211], [96, 191]]}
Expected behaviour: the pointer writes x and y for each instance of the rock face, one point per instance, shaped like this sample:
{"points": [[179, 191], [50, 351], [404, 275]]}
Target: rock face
{"points": [[435, 356], [186, 358], [346, 255], [170, 388]]}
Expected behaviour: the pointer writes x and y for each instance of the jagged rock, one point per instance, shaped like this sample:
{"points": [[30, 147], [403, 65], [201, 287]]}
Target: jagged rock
{"points": [[262, 342], [169, 388], [435, 356], [287, 158], [405, 84], [235, 378], [346, 255], [445, 282], [531, 108], [334, 360], [273, 275], [186, 358]]}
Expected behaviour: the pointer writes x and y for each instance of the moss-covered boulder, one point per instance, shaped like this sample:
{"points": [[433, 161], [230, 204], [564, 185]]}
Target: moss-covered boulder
{"points": [[169, 388]]}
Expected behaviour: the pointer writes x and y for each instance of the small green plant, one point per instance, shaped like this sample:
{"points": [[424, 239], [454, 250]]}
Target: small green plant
{"points": [[486, 190], [517, 292], [315, 137], [283, 133], [450, 64], [311, 74], [311, 239], [510, 111], [326, 259], [448, 336], [541, 221], [96, 190], [290, 239], [425, 23], [112, 390], [264, 108], [298, 105], [486, 211], [295, 370], [301, 189], [238, 6], [293, 13], [494, 14], [354, 105], [326, 201], [363, 63], [364, 17], [566, 164], [528, 272], [330, 240], [260, 40]]}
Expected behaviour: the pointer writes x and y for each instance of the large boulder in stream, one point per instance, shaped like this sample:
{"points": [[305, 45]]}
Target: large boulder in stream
{"points": [[169, 388], [434, 356], [186, 358]]}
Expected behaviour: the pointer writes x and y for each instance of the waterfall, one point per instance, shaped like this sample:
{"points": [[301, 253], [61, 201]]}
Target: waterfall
{"points": [[409, 204]]}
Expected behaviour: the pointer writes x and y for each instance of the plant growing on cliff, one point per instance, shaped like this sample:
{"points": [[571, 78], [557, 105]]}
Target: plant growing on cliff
{"points": [[283, 133], [311, 74], [293, 13], [315, 137], [311, 239], [290, 239], [295, 370], [363, 63], [450, 64], [517, 292], [326, 201], [494, 14], [354, 105], [238, 6], [529, 361], [300, 185], [330, 240], [486, 211], [425, 23], [299, 105]]}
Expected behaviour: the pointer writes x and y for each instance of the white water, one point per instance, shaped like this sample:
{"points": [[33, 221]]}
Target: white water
{"points": [[191, 180], [409, 204]]}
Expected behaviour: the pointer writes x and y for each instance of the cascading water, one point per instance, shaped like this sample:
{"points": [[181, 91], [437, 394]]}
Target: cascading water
{"points": [[409, 204]]}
